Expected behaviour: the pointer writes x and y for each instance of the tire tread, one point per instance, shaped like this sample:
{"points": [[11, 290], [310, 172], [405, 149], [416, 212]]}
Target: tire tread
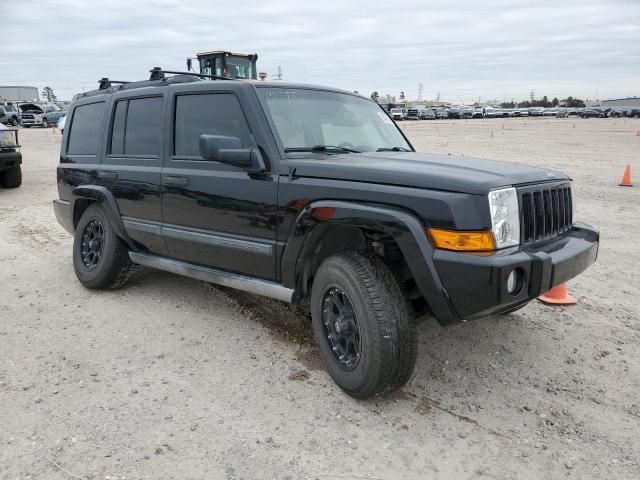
{"points": [[396, 342]]}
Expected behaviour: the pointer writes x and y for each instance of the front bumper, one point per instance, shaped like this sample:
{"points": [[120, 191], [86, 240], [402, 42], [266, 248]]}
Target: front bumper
{"points": [[31, 122], [476, 285]]}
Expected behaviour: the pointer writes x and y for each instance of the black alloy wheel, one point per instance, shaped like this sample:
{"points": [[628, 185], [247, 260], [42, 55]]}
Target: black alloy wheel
{"points": [[92, 244], [341, 328]]}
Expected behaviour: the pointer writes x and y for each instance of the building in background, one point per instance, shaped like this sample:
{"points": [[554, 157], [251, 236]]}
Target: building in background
{"points": [[18, 94], [629, 102]]}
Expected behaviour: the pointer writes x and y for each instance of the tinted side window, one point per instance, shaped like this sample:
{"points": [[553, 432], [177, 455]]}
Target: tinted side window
{"points": [[117, 132], [86, 129], [214, 114], [142, 135]]}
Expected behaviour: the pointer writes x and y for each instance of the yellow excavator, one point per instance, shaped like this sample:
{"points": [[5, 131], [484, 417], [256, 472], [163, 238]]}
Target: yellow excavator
{"points": [[222, 64]]}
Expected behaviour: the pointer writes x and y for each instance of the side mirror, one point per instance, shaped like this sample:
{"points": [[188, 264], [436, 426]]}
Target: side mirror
{"points": [[228, 150]]}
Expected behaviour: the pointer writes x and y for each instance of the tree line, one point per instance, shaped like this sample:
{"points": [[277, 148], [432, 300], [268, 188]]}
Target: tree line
{"points": [[570, 102]]}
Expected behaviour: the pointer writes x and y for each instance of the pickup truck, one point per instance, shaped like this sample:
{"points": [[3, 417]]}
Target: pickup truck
{"points": [[312, 196], [34, 115]]}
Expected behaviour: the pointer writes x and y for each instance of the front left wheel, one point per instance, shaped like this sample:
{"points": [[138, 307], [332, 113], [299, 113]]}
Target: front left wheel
{"points": [[100, 257], [365, 335]]}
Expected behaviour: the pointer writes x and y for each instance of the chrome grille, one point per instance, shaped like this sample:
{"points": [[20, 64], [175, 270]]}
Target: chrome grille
{"points": [[546, 211]]}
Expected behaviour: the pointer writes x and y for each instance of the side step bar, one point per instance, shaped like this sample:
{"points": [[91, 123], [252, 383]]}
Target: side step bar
{"points": [[258, 286]]}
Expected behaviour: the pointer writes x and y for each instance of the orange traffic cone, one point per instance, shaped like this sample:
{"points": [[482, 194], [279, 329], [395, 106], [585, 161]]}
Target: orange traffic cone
{"points": [[492, 135], [638, 133], [574, 125], [53, 130], [558, 296], [503, 126], [626, 177]]}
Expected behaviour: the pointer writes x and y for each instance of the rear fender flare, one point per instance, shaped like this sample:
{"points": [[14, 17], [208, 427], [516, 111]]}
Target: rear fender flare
{"points": [[105, 198]]}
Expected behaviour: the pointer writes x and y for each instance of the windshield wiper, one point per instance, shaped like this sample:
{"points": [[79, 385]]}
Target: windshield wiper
{"points": [[393, 149], [322, 148]]}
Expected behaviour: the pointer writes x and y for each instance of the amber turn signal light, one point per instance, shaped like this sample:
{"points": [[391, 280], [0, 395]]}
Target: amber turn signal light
{"points": [[462, 241]]}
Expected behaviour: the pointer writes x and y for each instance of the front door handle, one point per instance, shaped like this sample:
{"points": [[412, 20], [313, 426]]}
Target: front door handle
{"points": [[172, 181], [107, 175]]}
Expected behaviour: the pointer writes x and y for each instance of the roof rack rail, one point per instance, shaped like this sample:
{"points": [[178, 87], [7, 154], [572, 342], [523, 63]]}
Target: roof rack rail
{"points": [[105, 83], [157, 73]]}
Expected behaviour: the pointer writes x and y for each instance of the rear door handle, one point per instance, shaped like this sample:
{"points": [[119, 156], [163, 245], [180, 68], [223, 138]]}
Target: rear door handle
{"points": [[107, 175], [172, 181]]}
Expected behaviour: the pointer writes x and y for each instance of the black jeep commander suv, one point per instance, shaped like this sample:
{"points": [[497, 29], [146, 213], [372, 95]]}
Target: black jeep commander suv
{"points": [[313, 196]]}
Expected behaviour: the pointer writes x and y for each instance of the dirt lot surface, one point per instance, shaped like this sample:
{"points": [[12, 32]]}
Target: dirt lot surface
{"points": [[173, 378]]}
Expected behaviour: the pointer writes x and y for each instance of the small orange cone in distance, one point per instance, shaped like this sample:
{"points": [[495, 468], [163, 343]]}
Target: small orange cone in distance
{"points": [[492, 135], [638, 133], [626, 177], [558, 296]]}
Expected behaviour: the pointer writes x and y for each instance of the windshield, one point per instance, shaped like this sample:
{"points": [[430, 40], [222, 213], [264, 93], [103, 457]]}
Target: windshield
{"points": [[305, 119]]}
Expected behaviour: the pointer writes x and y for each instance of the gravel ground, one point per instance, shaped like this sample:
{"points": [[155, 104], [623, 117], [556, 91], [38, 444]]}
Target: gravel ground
{"points": [[173, 378]]}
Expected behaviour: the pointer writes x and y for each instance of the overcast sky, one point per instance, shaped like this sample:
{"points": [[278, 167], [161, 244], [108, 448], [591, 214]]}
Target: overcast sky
{"points": [[493, 49]]}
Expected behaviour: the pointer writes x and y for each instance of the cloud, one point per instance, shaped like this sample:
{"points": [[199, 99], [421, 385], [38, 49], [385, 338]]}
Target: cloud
{"points": [[462, 50]]}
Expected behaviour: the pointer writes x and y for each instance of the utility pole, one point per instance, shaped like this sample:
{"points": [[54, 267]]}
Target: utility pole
{"points": [[438, 97], [532, 95], [279, 74], [420, 90]]}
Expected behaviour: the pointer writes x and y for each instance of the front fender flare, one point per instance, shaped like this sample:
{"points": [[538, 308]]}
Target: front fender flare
{"points": [[404, 227], [104, 197]]}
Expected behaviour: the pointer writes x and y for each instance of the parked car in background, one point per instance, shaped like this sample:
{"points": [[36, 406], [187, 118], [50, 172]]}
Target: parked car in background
{"points": [[549, 112], [490, 112], [427, 114], [562, 113], [633, 112], [466, 113], [572, 111], [442, 113], [413, 114], [592, 113], [477, 113], [398, 113], [9, 115], [51, 117], [454, 112], [535, 111]]}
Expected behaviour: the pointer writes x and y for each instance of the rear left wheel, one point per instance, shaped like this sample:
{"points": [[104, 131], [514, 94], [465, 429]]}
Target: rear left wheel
{"points": [[100, 257]]}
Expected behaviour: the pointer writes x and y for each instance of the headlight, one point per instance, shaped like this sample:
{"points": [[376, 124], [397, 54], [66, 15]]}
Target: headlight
{"points": [[505, 218]]}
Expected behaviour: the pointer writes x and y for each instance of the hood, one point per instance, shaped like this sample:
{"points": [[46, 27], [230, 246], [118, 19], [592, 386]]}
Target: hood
{"points": [[410, 169], [31, 108]]}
